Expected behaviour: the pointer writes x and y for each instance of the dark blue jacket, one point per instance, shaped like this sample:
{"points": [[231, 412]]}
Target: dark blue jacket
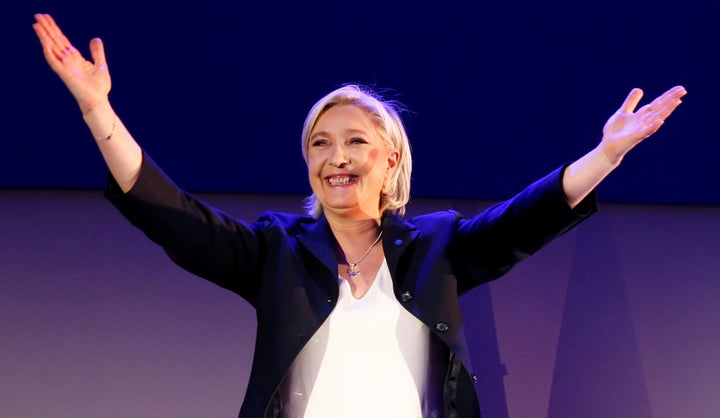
{"points": [[286, 267]]}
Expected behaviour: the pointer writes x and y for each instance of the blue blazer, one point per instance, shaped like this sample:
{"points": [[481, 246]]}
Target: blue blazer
{"points": [[285, 266]]}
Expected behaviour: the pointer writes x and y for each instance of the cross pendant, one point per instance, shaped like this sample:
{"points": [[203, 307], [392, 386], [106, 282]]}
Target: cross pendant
{"points": [[352, 270]]}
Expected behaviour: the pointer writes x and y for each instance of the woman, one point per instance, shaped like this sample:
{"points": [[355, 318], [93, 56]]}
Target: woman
{"points": [[357, 308]]}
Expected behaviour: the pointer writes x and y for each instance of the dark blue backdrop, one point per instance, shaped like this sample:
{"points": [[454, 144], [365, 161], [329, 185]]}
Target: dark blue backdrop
{"points": [[499, 92]]}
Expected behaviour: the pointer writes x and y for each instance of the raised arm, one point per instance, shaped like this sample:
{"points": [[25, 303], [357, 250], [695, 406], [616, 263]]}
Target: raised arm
{"points": [[89, 82], [625, 129]]}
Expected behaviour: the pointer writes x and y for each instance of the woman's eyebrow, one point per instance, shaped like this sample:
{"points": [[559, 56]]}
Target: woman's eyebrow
{"points": [[345, 132]]}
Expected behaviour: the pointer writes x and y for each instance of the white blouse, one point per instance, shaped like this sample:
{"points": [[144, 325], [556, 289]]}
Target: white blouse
{"points": [[370, 358]]}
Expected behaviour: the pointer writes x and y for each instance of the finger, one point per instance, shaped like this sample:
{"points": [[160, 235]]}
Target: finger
{"points": [[42, 35], [651, 128], [672, 94], [646, 129], [677, 91], [668, 108], [58, 42], [50, 24], [41, 30], [97, 52], [632, 100], [50, 51], [664, 105]]}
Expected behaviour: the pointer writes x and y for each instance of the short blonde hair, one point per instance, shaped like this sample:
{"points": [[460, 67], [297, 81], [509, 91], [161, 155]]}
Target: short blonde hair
{"points": [[386, 116]]}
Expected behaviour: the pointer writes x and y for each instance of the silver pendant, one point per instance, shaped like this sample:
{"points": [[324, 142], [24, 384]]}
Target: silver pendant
{"points": [[352, 270]]}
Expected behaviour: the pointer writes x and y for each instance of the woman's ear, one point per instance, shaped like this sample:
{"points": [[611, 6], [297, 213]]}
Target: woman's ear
{"points": [[393, 158]]}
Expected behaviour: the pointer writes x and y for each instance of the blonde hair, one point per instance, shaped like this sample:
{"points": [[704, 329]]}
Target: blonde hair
{"points": [[386, 116]]}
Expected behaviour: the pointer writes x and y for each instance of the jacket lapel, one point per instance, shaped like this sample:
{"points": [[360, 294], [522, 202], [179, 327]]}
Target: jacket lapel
{"points": [[398, 234], [319, 240]]}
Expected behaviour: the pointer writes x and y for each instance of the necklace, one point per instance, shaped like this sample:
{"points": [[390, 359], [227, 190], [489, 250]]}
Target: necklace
{"points": [[353, 271]]}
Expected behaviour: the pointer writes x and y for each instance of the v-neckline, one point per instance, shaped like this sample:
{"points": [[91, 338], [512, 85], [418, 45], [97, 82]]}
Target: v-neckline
{"points": [[373, 285]]}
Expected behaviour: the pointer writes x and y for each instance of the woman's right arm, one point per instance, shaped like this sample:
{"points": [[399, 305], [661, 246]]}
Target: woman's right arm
{"points": [[205, 241], [89, 82]]}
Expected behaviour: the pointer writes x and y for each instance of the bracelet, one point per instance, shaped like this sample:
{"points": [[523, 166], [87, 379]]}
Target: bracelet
{"points": [[107, 138]]}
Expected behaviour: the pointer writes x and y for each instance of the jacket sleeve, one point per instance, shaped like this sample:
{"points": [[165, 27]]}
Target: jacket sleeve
{"points": [[199, 238], [488, 245]]}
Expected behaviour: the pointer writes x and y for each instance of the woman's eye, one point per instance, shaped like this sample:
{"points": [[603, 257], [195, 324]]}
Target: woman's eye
{"points": [[319, 143], [358, 141]]}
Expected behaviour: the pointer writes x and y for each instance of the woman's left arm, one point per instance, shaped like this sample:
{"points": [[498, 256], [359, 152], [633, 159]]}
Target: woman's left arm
{"points": [[625, 129]]}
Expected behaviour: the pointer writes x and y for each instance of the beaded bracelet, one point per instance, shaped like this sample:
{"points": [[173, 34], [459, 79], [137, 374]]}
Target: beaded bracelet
{"points": [[107, 138]]}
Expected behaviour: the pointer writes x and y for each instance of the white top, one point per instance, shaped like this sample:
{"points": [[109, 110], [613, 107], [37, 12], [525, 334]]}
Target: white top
{"points": [[370, 358]]}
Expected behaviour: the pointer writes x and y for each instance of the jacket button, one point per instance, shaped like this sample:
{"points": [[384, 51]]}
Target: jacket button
{"points": [[441, 326], [474, 378], [406, 296], [399, 242]]}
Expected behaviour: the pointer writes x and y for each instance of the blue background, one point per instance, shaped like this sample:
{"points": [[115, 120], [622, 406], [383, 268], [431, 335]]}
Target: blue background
{"points": [[498, 93]]}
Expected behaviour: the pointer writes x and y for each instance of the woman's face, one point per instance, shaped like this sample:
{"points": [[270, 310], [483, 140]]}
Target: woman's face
{"points": [[348, 162]]}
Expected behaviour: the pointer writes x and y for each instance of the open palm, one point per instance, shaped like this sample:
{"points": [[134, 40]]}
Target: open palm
{"points": [[89, 82], [627, 127]]}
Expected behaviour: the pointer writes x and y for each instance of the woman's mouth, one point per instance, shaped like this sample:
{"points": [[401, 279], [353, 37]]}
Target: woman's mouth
{"points": [[342, 180]]}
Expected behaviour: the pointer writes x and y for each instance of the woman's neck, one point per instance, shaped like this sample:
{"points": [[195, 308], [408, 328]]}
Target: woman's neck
{"points": [[357, 226], [354, 235]]}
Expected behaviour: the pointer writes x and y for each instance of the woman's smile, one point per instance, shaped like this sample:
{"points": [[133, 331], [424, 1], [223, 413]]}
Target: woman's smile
{"points": [[342, 180]]}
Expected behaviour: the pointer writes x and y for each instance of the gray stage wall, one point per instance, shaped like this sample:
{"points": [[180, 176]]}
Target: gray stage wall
{"points": [[619, 317]]}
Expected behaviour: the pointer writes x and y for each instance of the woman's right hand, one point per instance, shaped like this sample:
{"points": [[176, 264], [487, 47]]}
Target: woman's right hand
{"points": [[89, 82]]}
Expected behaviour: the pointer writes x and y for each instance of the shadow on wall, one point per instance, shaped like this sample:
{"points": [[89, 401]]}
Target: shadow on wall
{"points": [[598, 370]]}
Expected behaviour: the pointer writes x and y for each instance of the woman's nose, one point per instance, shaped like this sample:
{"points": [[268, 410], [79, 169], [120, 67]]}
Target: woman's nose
{"points": [[338, 157]]}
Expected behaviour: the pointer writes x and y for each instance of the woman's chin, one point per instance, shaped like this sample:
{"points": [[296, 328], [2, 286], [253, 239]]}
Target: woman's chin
{"points": [[349, 211]]}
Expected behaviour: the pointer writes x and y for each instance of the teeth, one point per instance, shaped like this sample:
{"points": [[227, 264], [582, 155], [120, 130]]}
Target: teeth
{"points": [[341, 180]]}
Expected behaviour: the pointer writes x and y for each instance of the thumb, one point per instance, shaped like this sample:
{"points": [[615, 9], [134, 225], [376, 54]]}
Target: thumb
{"points": [[97, 52], [632, 100]]}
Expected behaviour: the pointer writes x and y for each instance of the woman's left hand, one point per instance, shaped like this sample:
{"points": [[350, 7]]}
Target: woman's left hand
{"points": [[627, 127]]}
